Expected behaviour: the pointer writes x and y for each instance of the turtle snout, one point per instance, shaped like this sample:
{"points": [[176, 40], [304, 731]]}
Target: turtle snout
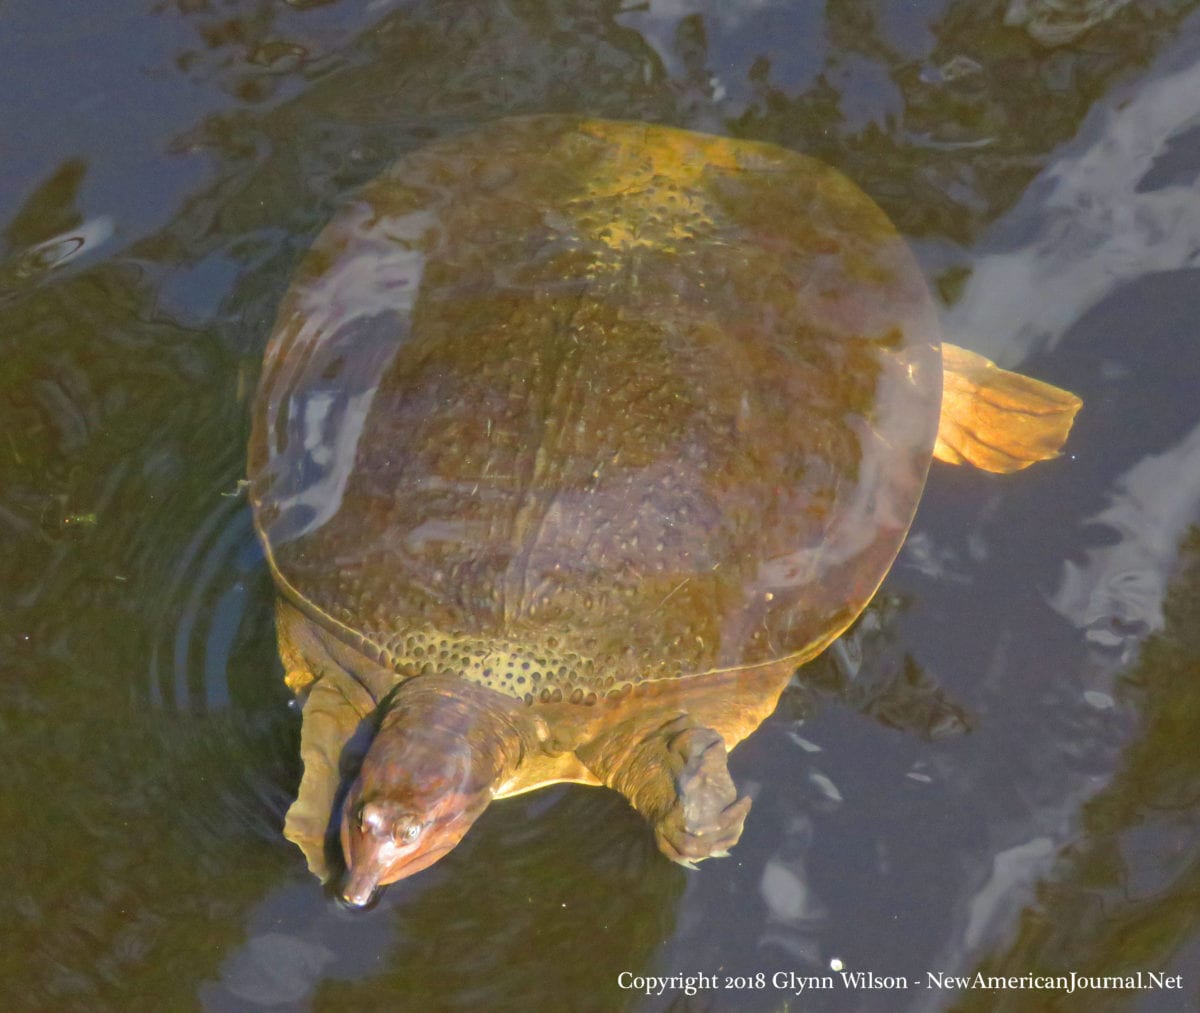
{"points": [[360, 887]]}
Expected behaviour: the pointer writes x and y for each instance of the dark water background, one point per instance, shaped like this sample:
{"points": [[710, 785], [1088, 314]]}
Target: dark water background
{"points": [[998, 769]]}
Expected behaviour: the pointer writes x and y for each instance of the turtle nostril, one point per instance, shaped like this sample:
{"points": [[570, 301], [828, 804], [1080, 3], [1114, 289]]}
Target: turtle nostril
{"points": [[360, 889]]}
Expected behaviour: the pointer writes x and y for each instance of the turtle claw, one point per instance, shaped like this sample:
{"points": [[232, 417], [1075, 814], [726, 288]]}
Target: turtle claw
{"points": [[689, 843], [706, 818]]}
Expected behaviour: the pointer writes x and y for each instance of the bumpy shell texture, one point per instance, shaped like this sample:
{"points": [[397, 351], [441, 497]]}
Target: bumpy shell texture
{"points": [[564, 405]]}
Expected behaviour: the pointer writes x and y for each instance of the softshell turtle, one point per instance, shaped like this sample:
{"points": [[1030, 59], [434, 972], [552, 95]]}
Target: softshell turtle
{"points": [[574, 439]]}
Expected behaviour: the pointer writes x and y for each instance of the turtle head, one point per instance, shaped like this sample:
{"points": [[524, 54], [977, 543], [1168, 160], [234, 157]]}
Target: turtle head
{"points": [[415, 797]]}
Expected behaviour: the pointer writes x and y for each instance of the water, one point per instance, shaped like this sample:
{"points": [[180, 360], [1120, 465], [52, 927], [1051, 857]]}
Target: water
{"points": [[995, 771]]}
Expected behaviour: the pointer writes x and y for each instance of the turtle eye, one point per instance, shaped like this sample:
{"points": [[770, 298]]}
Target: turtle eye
{"points": [[411, 832]]}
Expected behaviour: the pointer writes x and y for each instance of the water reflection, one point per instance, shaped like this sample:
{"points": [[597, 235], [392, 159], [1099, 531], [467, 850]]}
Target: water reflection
{"points": [[1118, 205], [570, 864], [48, 232], [1116, 592], [1057, 22], [127, 825], [1122, 897]]}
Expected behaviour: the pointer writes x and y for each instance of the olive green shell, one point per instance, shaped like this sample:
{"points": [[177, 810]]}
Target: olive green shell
{"points": [[563, 405]]}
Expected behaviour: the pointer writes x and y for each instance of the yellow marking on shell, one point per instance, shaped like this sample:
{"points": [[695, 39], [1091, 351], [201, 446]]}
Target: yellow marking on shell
{"points": [[638, 154], [648, 190], [504, 657]]}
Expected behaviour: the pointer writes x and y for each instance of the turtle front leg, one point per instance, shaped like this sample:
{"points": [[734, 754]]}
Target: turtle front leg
{"points": [[676, 776]]}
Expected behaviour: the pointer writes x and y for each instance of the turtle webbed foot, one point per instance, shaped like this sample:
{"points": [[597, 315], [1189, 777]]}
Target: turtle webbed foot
{"points": [[706, 818]]}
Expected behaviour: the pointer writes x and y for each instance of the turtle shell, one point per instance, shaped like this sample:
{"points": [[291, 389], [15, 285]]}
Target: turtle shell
{"points": [[563, 405]]}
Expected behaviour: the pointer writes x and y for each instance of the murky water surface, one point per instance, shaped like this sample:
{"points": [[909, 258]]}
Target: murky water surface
{"points": [[995, 770]]}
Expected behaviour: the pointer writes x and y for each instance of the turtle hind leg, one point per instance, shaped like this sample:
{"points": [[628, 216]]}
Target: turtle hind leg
{"points": [[998, 420], [678, 779]]}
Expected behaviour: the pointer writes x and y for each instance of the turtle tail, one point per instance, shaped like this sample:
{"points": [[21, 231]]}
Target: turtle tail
{"points": [[997, 420]]}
